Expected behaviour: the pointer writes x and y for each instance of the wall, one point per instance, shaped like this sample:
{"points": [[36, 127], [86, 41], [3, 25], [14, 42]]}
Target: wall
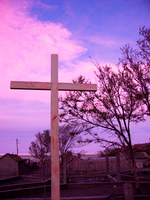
{"points": [[8, 165], [92, 165]]}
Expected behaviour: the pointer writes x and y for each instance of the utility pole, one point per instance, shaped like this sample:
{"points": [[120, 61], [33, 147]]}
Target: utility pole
{"points": [[17, 157], [17, 146]]}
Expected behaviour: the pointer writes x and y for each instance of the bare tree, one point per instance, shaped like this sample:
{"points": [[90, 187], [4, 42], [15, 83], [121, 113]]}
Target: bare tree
{"points": [[112, 108], [122, 98], [137, 64], [69, 138], [40, 148]]}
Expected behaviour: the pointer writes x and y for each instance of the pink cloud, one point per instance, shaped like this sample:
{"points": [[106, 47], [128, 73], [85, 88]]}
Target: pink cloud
{"points": [[85, 68], [44, 6], [26, 45], [107, 41]]}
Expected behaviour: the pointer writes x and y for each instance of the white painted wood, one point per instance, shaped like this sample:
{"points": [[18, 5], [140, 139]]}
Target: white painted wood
{"points": [[55, 179], [47, 86], [77, 87], [24, 85]]}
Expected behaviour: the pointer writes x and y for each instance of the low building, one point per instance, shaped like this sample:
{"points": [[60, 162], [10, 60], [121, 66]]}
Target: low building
{"points": [[12, 164], [89, 163], [141, 159]]}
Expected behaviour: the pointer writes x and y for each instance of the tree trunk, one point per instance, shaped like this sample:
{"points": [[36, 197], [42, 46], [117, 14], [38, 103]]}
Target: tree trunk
{"points": [[43, 168], [64, 168], [107, 164], [137, 186]]}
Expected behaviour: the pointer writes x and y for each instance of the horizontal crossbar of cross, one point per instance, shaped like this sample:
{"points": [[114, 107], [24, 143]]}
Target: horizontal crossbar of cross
{"points": [[48, 85]]}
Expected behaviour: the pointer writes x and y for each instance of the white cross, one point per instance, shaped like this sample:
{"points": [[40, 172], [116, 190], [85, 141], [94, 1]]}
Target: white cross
{"points": [[54, 86]]}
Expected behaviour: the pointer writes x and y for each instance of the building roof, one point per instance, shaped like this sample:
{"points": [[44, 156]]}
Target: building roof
{"points": [[13, 156], [138, 155]]}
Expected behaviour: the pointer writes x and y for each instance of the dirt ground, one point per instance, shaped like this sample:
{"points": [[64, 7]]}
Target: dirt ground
{"points": [[79, 189]]}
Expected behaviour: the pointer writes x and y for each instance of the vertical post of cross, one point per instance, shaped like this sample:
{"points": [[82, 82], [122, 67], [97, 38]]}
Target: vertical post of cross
{"points": [[54, 86], [55, 180]]}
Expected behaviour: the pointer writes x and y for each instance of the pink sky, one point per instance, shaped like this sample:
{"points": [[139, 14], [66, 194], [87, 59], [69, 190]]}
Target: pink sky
{"points": [[26, 45]]}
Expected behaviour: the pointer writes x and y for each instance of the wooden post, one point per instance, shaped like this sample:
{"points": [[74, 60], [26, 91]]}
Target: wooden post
{"points": [[17, 158], [54, 86], [118, 166], [107, 163], [128, 191], [64, 168], [55, 179]]}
